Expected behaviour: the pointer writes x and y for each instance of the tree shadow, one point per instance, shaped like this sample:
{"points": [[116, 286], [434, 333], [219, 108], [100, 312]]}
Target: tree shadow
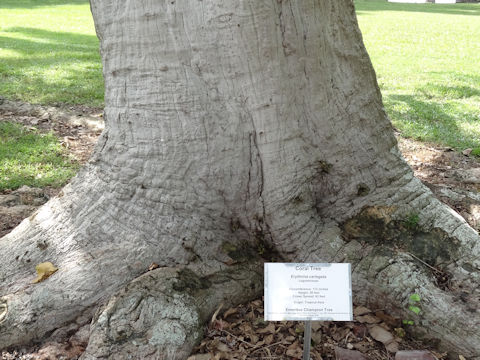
{"points": [[434, 121], [31, 4], [366, 7], [42, 51], [46, 40], [431, 90]]}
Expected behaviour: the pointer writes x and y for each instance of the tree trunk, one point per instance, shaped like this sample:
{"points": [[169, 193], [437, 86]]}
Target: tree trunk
{"points": [[237, 131]]}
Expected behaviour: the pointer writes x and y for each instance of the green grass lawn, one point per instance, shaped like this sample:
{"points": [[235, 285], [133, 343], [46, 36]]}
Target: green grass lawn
{"points": [[427, 59], [49, 52], [28, 157]]}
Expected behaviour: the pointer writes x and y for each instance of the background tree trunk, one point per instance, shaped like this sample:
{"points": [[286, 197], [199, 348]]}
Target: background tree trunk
{"points": [[236, 132]]}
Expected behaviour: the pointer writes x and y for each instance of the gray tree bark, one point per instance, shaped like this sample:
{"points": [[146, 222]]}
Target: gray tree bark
{"points": [[237, 131]]}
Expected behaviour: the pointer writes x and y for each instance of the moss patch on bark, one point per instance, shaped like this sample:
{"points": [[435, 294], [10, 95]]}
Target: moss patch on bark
{"points": [[379, 226]]}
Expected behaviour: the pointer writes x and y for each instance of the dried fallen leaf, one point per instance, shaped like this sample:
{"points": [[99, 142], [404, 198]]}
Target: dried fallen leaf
{"points": [[257, 303], [270, 328], [361, 310], [253, 338], [230, 262], [260, 324], [368, 319], [294, 350], [214, 316], [250, 316], [290, 338], [440, 356], [153, 266], [380, 334], [229, 312], [219, 346], [246, 328], [219, 325], [341, 353], [360, 331], [200, 357], [392, 347], [362, 346], [317, 337], [259, 344], [223, 347], [295, 345], [44, 270], [340, 333], [268, 339]]}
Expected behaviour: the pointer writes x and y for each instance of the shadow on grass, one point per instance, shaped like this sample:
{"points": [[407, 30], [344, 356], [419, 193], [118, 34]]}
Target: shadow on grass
{"points": [[448, 91], [431, 121], [25, 154], [365, 7], [41, 54], [31, 4], [46, 40]]}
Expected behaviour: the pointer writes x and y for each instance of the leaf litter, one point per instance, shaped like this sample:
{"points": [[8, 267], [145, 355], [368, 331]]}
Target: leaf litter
{"points": [[241, 333]]}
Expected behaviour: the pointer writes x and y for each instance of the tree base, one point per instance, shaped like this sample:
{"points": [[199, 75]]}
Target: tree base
{"points": [[161, 314]]}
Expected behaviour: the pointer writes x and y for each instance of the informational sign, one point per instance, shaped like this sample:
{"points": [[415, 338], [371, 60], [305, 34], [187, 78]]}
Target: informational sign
{"points": [[297, 291]]}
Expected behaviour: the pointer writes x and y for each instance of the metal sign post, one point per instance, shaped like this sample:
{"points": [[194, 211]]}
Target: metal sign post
{"points": [[307, 339]]}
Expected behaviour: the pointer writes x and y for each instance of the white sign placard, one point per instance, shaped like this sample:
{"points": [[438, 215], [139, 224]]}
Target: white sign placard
{"points": [[297, 291]]}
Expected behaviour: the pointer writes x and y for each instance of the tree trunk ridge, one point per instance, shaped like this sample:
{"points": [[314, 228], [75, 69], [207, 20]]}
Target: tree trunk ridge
{"points": [[237, 132]]}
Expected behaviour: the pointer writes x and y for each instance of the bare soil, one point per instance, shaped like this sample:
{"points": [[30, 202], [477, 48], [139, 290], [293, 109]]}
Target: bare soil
{"points": [[453, 177], [241, 333]]}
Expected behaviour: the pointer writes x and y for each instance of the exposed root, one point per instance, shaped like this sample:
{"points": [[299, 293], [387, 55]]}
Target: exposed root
{"points": [[435, 256], [161, 314]]}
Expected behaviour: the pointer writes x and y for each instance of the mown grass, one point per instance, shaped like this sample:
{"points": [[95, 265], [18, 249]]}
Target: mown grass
{"points": [[427, 59], [28, 157], [49, 52]]}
